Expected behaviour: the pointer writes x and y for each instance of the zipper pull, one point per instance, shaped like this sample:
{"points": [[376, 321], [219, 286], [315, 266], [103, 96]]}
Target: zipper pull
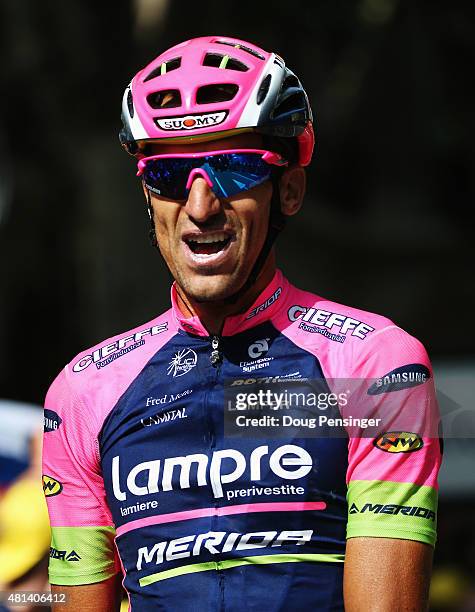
{"points": [[215, 356]]}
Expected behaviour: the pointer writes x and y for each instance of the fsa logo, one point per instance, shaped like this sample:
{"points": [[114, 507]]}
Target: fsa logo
{"points": [[191, 122]]}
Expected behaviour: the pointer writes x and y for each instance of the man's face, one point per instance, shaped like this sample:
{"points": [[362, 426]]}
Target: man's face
{"points": [[210, 244]]}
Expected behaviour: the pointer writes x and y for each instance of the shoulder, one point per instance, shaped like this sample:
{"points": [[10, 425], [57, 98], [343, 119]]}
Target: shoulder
{"points": [[96, 377], [106, 352], [346, 339], [348, 321], [307, 314]]}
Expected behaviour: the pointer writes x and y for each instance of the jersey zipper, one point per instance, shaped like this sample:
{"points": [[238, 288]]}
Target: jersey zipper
{"points": [[216, 356], [216, 359]]}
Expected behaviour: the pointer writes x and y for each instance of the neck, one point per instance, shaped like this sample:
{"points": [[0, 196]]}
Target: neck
{"points": [[213, 314]]}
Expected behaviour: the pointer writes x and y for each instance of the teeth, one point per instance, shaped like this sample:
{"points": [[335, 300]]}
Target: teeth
{"points": [[218, 237]]}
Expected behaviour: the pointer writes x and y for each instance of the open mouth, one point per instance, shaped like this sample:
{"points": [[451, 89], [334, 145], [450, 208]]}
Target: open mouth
{"points": [[209, 244]]}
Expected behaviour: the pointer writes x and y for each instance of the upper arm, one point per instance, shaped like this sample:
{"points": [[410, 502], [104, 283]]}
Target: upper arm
{"points": [[82, 544], [383, 574], [99, 597], [392, 477]]}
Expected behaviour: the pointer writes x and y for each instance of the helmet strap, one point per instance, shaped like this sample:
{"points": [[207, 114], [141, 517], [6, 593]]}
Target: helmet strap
{"points": [[151, 233]]}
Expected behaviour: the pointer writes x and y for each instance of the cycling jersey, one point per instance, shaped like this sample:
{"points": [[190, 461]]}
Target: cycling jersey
{"points": [[140, 473]]}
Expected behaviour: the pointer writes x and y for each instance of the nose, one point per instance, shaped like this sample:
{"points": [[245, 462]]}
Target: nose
{"points": [[202, 203]]}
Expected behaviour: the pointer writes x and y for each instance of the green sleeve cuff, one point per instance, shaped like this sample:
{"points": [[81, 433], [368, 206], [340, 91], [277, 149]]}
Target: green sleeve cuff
{"points": [[80, 580], [82, 555], [385, 509]]}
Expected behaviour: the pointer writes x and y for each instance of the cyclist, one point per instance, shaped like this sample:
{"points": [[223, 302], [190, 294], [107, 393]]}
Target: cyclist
{"points": [[140, 470]]}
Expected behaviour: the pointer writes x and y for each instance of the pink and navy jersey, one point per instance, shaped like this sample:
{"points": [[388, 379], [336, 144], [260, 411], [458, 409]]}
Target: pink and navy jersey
{"points": [[142, 476]]}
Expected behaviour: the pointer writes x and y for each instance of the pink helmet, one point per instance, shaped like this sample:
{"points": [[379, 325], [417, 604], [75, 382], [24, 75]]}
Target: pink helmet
{"points": [[215, 86]]}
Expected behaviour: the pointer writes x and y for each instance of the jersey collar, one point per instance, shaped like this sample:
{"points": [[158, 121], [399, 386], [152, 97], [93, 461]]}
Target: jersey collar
{"points": [[264, 307]]}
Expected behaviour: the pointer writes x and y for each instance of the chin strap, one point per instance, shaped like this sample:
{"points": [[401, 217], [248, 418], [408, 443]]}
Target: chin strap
{"points": [[151, 233], [276, 225]]}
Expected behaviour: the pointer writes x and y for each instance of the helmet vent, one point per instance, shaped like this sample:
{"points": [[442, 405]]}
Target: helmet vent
{"points": [[294, 103], [290, 81], [216, 60], [168, 98], [263, 89], [208, 94], [164, 68], [130, 104], [238, 45]]}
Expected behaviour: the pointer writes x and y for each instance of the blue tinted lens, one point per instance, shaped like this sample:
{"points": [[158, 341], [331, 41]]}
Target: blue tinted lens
{"points": [[230, 173], [168, 176]]}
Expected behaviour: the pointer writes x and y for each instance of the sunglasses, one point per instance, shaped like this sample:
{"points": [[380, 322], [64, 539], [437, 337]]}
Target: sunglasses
{"points": [[227, 172]]}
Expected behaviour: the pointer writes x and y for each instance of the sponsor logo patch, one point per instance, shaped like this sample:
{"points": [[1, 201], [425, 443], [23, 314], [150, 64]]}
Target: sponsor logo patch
{"points": [[54, 553], [216, 543], [73, 556], [191, 122], [273, 298], [164, 417], [51, 420], [398, 442], [105, 355], [258, 348], [257, 351], [267, 380], [332, 325], [63, 555], [182, 362], [418, 511], [167, 415], [51, 486], [224, 466], [403, 377]]}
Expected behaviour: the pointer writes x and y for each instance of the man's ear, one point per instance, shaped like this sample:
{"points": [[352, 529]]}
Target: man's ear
{"points": [[292, 190]]}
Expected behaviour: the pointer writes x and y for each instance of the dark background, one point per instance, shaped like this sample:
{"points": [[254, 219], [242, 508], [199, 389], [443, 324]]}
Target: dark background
{"points": [[388, 220]]}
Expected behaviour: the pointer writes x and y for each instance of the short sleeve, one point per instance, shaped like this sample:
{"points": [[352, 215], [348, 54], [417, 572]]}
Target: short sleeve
{"points": [[392, 475], [82, 546]]}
